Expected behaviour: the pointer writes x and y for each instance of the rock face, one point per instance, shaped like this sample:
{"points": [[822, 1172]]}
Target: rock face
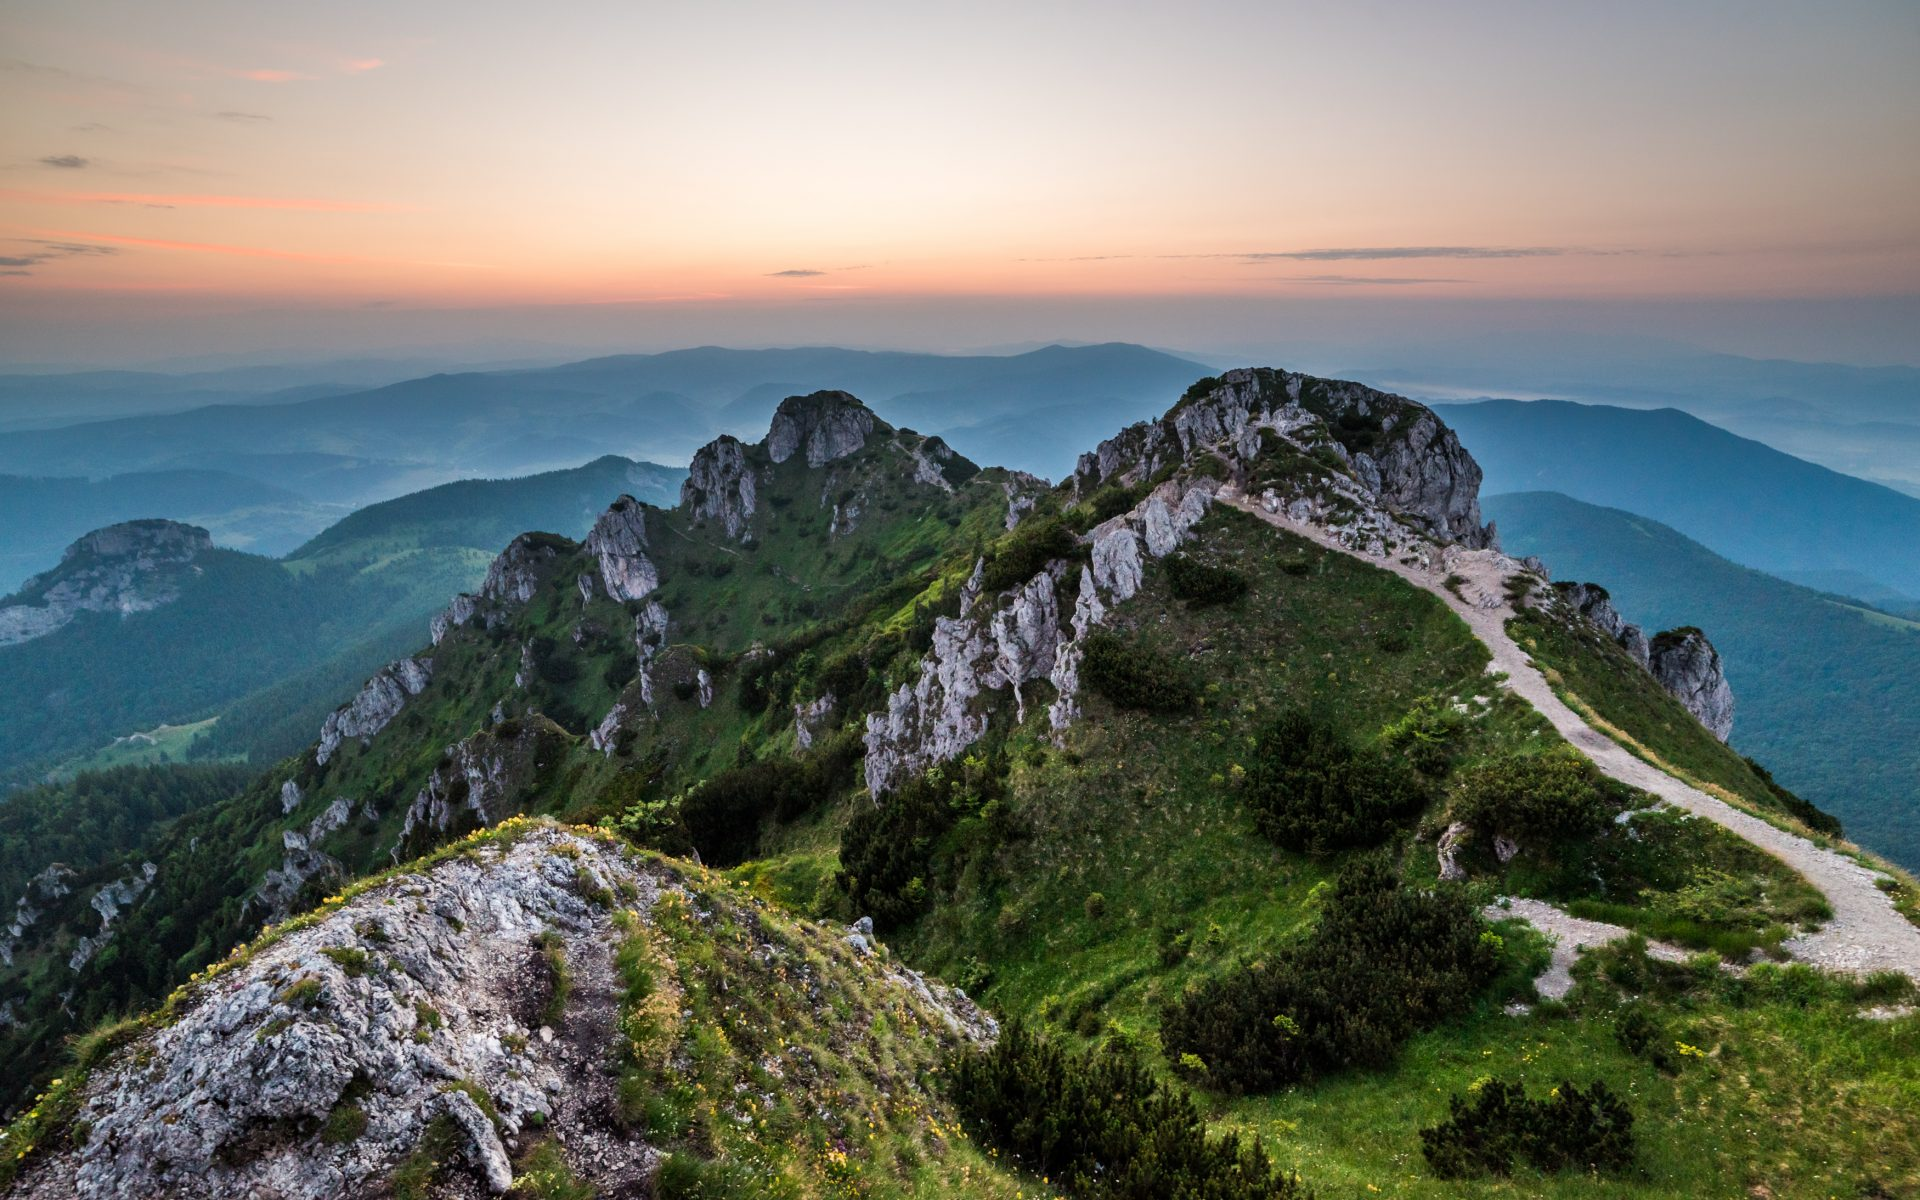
{"points": [[1682, 660], [1396, 451], [425, 991], [720, 486], [53, 884], [379, 702], [133, 567], [810, 719], [477, 783], [619, 543], [109, 902], [1687, 665], [301, 861], [823, 426], [1591, 601], [511, 581], [1010, 640]]}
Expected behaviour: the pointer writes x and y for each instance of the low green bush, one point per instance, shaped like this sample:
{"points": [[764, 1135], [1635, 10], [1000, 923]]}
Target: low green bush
{"points": [[1573, 1129], [1100, 1126], [1312, 790], [1386, 961], [1203, 584], [1133, 675], [1535, 799]]}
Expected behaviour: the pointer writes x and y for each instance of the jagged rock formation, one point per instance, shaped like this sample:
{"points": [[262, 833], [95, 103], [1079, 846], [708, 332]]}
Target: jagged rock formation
{"points": [[1394, 451], [379, 702], [302, 860], [720, 486], [810, 719], [109, 902], [478, 781], [512, 578], [411, 1000], [132, 567], [53, 884], [1688, 666], [1007, 641], [1682, 660], [619, 542], [1591, 601], [826, 425]]}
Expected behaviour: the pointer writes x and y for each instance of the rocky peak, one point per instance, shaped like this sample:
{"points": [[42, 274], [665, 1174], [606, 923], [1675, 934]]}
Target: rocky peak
{"points": [[619, 543], [379, 702], [1688, 666], [720, 485], [1594, 603], [132, 567], [826, 425], [1396, 451]]}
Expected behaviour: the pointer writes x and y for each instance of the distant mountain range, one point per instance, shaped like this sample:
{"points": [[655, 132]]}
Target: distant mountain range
{"points": [[1827, 694], [271, 646], [1744, 500], [266, 471]]}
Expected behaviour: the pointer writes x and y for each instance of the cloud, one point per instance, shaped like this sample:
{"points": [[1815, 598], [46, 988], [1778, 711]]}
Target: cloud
{"points": [[1370, 279], [162, 200], [356, 66], [234, 115], [273, 75], [39, 251], [1379, 253], [68, 162], [795, 273]]}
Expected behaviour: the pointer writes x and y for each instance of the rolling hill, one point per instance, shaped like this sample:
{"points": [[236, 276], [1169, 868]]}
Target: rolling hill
{"points": [[1739, 498]]}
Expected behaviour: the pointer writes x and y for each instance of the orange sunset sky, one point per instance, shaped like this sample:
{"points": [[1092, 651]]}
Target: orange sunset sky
{"points": [[160, 161]]}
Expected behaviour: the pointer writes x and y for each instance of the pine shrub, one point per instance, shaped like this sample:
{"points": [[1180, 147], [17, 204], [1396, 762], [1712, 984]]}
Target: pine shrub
{"points": [[1133, 675], [1101, 1127], [1313, 791], [1535, 799], [1573, 1129], [1203, 584], [1385, 962]]}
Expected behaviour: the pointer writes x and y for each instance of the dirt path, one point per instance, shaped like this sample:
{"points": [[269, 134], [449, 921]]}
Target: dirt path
{"points": [[1866, 932], [1570, 936]]}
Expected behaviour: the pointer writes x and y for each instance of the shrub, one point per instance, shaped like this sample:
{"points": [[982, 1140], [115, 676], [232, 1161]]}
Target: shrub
{"points": [[1098, 1124], [1025, 552], [1577, 1129], [725, 814], [1385, 962], [1312, 790], [1133, 675], [553, 951], [1202, 584], [1533, 798], [888, 851]]}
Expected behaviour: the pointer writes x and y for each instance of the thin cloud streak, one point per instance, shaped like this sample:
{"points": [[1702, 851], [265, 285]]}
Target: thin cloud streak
{"points": [[795, 273], [162, 200], [261, 251]]}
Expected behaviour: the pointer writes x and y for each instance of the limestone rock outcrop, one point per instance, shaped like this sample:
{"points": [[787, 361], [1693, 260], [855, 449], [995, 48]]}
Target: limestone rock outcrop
{"points": [[410, 1000], [1688, 666], [379, 702], [823, 426], [1395, 451], [132, 567], [1593, 602], [720, 486], [478, 782], [618, 542]]}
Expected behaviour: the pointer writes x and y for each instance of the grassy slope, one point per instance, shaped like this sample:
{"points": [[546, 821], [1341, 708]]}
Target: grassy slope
{"points": [[1826, 694], [1143, 812]]}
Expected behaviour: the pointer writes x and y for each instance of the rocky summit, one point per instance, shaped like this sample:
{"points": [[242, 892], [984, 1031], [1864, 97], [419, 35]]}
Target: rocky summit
{"points": [[536, 987], [132, 567]]}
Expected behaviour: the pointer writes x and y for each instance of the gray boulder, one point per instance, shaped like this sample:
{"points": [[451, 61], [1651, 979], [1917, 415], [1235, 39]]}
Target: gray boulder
{"points": [[1688, 666]]}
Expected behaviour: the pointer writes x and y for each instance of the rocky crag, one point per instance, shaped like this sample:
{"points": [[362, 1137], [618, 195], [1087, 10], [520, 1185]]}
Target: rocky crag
{"points": [[135, 566], [1682, 660], [421, 1027]]}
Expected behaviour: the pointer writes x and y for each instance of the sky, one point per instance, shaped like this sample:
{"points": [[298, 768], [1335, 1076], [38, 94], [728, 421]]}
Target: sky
{"points": [[214, 177]]}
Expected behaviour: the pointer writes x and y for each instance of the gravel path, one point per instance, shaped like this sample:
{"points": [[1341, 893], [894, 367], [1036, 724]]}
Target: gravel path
{"points": [[1570, 935], [1866, 932]]}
